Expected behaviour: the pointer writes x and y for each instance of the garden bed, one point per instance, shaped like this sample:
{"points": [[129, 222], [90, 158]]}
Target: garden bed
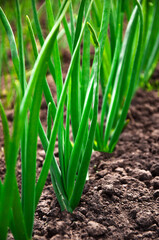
{"points": [[121, 198]]}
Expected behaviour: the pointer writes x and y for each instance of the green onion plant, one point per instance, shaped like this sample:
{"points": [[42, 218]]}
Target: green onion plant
{"points": [[17, 212], [81, 91], [123, 76], [116, 95], [128, 62]]}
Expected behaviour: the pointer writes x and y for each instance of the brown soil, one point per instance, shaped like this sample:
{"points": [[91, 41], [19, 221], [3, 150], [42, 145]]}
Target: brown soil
{"points": [[121, 198]]}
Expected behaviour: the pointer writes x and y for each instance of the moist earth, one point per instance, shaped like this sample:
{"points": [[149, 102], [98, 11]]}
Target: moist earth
{"points": [[121, 198]]}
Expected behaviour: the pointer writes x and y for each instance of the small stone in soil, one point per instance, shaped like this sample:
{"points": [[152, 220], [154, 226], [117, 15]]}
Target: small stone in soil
{"points": [[108, 190], [96, 229], [102, 173], [60, 226], [144, 219], [142, 175], [41, 153]]}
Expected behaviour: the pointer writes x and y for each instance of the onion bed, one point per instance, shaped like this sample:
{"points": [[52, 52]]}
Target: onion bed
{"points": [[122, 61]]}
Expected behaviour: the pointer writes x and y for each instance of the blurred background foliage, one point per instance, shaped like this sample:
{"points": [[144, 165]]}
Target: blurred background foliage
{"points": [[26, 8]]}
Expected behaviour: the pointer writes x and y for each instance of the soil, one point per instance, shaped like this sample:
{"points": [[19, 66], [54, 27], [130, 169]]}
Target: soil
{"points": [[121, 198]]}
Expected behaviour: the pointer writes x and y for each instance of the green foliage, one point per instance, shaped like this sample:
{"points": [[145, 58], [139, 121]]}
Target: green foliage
{"points": [[119, 63], [74, 159], [19, 216], [124, 77], [133, 61]]}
